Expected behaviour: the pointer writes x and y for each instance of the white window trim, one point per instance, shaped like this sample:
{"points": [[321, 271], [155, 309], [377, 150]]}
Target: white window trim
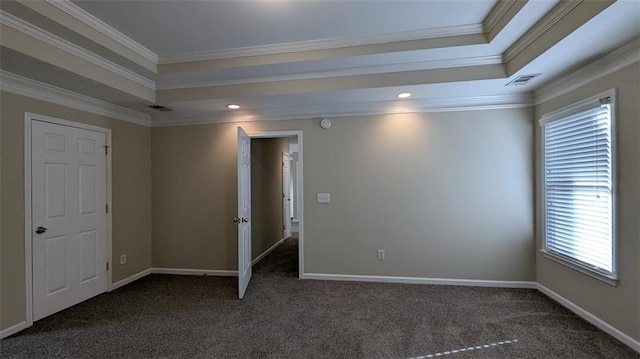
{"points": [[611, 279]]}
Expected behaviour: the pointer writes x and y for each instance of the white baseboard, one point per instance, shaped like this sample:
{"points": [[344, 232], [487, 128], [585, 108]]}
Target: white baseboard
{"points": [[269, 250], [604, 326], [182, 271], [130, 279], [419, 280], [13, 329]]}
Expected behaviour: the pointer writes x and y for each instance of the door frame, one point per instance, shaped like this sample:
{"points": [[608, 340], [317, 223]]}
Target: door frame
{"points": [[299, 182], [28, 235]]}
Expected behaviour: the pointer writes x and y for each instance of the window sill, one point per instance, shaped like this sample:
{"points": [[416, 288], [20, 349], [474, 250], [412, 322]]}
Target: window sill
{"points": [[612, 281]]}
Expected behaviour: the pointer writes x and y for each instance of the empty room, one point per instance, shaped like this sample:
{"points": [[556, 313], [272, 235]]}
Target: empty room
{"points": [[320, 179]]}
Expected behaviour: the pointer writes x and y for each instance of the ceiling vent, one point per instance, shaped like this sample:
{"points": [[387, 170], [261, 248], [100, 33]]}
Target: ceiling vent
{"points": [[160, 108], [522, 80]]}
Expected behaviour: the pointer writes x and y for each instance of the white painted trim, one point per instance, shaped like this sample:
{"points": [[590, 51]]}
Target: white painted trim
{"points": [[14, 329], [420, 280], [496, 14], [28, 224], [601, 324], [322, 44], [300, 180], [28, 237], [130, 279], [203, 272], [354, 109], [624, 56], [352, 71], [100, 26], [549, 20], [24, 86], [73, 49], [265, 253], [109, 200]]}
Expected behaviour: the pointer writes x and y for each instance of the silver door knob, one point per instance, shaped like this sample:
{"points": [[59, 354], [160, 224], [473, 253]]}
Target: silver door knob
{"points": [[41, 230]]}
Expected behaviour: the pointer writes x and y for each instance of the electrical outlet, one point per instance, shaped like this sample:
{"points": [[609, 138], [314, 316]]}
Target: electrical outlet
{"points": [[123, 259], [380, 254]]}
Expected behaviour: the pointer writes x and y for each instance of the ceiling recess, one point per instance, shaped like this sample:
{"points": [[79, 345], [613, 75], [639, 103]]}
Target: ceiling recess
{"points": [[522, 80]]}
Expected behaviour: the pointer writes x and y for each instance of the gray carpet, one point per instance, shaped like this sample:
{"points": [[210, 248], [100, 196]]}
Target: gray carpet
{"points": [[163, 316]]}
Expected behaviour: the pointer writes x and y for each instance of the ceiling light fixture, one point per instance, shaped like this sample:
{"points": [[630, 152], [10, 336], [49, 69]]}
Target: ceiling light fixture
{"points": [[404, 95], [233, 106]]}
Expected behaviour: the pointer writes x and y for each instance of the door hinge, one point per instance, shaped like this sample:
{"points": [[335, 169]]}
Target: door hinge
{"points": [[106, 150], [107, 266], [107, 207]]}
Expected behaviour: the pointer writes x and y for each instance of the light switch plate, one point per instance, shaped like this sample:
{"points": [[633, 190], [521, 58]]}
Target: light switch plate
{"points": [[324, 197]]}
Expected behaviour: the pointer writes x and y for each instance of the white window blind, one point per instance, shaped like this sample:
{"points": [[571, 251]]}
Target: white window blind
{"points": [[578, 186]]}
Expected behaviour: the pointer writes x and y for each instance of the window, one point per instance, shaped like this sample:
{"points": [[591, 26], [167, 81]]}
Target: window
{"points": [[578, 186]]}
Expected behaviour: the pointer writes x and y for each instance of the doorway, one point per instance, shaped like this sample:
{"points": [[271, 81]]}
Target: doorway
{"points": [[297, 137], [67, 224]]}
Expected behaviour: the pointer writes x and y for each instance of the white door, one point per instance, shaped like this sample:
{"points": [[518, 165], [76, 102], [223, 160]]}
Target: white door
{"points": [[286, 196], [244, 211], [69, 239]]}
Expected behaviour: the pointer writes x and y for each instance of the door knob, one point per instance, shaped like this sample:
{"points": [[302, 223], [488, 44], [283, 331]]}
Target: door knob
{"points": [[236, 220], [40, 230]]}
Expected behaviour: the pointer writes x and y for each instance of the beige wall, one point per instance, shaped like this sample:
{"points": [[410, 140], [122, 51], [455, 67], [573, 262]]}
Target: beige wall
{"points": [[266, 193], [447, 195], [131, 196], [618, 306]]}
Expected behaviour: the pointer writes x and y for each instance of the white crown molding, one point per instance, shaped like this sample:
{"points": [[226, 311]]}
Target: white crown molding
{"points": [[73, 49], [627, 55], [496, 14], [23, 86], [322, 44], [551, 18], [100, 26], [352, 109], [360, 70]]}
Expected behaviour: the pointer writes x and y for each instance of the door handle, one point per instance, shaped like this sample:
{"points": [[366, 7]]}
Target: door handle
{"points": [[41, 230], [236, 220]]}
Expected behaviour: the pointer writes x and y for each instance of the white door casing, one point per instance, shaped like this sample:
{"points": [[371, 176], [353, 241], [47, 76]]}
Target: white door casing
{"points": [[244, 212], [286, 196], [69, 197]]}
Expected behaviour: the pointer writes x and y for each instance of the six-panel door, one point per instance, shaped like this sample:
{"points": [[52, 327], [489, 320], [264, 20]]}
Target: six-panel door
{"points": [[68, 215]]}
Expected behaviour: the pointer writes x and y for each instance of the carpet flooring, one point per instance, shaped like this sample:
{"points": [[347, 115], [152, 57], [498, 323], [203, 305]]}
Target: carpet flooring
{"points": [[164, 316]]}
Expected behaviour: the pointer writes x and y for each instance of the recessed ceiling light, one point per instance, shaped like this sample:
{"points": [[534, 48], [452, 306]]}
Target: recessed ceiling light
{"points": [[404, 95], [233, 106]]}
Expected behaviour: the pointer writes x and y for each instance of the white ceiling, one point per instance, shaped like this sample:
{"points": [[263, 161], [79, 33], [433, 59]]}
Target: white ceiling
{"points": [[172, 27], [232, 29]]}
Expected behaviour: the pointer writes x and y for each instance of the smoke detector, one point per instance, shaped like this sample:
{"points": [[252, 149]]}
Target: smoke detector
{"points": [[522, 80]]}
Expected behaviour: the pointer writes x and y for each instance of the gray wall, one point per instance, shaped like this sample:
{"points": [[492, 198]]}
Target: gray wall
{"points": [[131, 178], [619, 306], [447, 195], [266, 193]]}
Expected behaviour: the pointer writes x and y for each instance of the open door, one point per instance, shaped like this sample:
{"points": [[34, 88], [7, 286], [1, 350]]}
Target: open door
{"points": [[286, 196], [244, 211]]}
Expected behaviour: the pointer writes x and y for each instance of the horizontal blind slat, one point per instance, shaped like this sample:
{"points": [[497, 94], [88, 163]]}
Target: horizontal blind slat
{"points": [[577, 182]]}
